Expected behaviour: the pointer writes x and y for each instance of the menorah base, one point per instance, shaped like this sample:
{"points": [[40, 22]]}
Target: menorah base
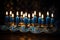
{"points": [[32, 29]]}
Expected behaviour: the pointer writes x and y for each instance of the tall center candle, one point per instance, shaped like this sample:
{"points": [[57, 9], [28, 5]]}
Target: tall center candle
{"points": [[47, 18]]}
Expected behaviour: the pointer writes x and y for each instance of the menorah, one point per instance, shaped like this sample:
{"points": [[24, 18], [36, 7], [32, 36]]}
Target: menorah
{"points": [[23, 22]]}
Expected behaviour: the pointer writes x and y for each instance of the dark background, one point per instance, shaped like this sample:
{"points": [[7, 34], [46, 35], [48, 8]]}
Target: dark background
{"points": [[29, 6]]}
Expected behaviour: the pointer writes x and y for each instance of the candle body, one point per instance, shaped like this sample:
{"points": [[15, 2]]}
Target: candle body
{"points": [[17, 20], [10, 19], [28, 20], [34, 19], [25, 20], [47, 20], [52, 21], [21, 19], [6, 19], [39, 20], [42, 21]]}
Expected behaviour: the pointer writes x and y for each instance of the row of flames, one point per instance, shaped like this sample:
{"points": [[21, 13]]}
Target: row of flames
{"points": [[27, 14]]}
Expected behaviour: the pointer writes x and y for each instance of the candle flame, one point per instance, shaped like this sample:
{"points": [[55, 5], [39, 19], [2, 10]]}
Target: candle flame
{"points": [[39, 13], [6, 12], [34, 12], [29, 15], [52, 15], [25, 13], [17, 13], [47, 13], [42, 16], [13, 15], [10, 12], [21, 12], [32, 15]]}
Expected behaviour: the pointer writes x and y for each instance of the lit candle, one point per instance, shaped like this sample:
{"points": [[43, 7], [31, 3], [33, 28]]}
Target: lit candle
{"points": [[42, 19], [10, 16], [21, 17], [28, 18], [25, 18], [32, 18], [17, 18], [35, 18], [21, 13], [39, 19], [47, 18], [6, 17], [52, 19]]}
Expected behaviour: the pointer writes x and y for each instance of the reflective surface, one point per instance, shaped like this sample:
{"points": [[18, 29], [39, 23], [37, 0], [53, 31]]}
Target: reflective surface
{"points": [[12, 36]]}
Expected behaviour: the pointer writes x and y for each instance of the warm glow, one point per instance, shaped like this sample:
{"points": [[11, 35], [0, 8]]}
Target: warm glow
{"points": [[25, 13], [42, 16], [34, 12], [10, 12], [32, 15], [6, 13], [28, 15], [21, 12], [47, 13], [17, 13], [39, 13], [52, 15], [13, 15]]}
